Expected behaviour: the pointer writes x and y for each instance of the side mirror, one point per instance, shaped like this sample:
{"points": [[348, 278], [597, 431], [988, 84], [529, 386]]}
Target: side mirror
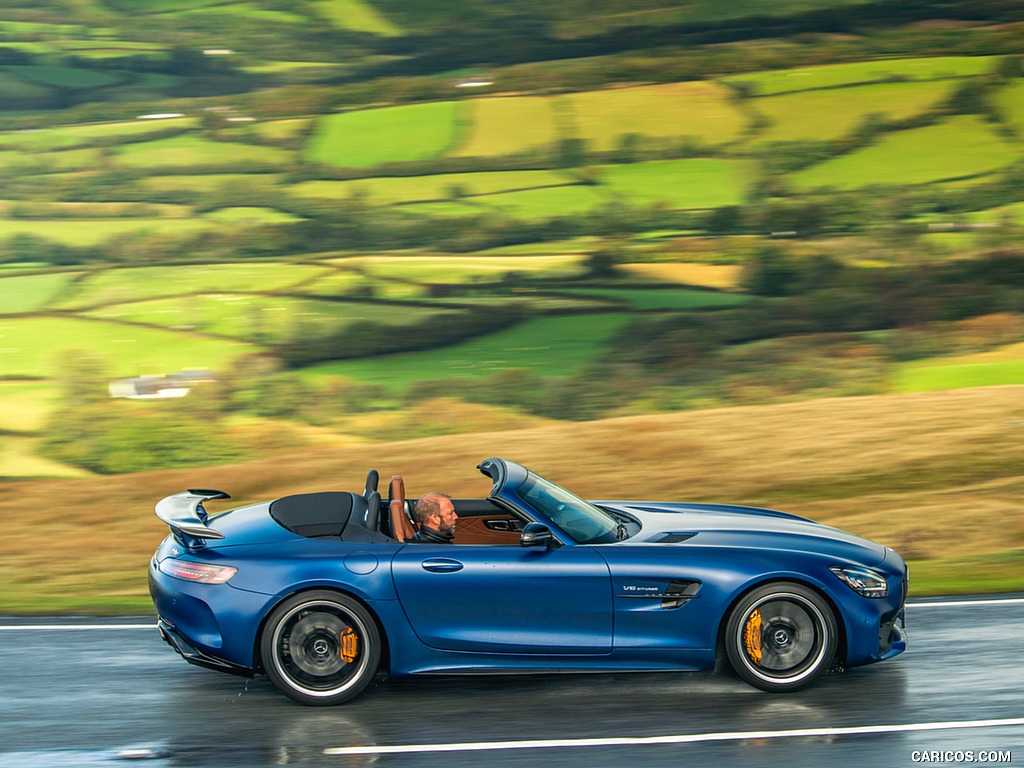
{"points": [[537, 535]]}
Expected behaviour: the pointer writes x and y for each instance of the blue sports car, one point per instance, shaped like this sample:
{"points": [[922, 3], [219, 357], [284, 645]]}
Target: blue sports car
{"points": [[322, 591]]}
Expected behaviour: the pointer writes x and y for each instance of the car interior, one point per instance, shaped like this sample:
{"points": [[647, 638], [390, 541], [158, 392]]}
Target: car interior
{"points": [[367, 517], [480, 520]]}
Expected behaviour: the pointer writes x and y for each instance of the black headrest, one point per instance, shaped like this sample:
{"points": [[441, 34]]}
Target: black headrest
{"points": [[372, 479], [373, 511]]}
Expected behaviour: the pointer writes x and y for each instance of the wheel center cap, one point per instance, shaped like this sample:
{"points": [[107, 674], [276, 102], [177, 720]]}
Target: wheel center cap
{"points": [[321, 647], [781, 637]]}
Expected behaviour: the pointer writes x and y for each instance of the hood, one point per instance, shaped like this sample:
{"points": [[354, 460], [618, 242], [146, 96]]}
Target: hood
{"points": [[721, 525]]}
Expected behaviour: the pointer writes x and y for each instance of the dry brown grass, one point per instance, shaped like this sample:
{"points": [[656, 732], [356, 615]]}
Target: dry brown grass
{"points": [[933, 474], [723, 277]]}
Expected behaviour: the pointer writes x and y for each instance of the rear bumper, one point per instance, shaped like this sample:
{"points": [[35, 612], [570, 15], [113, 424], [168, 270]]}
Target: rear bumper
{"points": [[192, 655], [210, 625]]}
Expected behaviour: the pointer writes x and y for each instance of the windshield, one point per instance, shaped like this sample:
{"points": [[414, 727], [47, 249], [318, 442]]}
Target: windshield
{"points": [[583, 521]]}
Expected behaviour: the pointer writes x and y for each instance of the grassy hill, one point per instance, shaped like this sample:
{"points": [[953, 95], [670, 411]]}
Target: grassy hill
{"points": [[936, 475]]}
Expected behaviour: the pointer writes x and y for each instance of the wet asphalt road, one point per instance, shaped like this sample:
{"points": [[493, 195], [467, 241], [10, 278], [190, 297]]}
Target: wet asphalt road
{"points": [[115, 696]]}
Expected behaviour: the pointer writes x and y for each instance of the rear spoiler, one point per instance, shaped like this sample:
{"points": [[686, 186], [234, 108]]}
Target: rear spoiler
{"points": [[185, 515]]}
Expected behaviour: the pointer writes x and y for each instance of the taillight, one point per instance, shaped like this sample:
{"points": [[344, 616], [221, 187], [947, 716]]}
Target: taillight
{"points": [[199, 573]]}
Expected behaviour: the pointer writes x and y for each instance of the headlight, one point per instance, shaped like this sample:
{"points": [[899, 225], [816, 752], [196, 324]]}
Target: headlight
{"points": [[863, 581], [198, 572]]}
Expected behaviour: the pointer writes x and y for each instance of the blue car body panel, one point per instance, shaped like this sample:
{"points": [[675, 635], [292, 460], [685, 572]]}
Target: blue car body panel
{"points": [[506, 599], [653, 593]]}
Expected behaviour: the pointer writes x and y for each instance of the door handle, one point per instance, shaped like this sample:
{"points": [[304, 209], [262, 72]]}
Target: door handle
{"points": [[442, 565]]}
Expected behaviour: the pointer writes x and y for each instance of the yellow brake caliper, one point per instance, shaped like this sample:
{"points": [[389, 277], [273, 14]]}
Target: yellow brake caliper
{"points": [[349, 645], [752, 637]]}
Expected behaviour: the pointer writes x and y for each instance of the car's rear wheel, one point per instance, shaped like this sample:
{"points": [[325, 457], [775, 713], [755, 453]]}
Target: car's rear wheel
{"points": [[781, 637], [320, 648]]}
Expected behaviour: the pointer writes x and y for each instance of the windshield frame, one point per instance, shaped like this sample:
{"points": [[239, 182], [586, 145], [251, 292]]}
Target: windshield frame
{"points": [[580, 520]]}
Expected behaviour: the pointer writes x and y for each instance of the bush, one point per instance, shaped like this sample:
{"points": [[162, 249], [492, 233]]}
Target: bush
{"points": [[119, 437]]}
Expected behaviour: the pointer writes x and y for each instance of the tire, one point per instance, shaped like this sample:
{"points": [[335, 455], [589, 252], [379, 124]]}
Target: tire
{"points": [[781, 637], [320, 648]]}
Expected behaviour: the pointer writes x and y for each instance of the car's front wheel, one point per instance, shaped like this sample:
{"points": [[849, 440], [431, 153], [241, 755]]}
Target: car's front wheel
{"points": [[320, 648], [781, 637]]}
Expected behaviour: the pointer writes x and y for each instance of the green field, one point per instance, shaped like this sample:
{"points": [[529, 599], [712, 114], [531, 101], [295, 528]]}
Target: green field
{"points": [[108, 46], [267, 319], [63, 160], [276, 130], [988, 217], [122, 285], [29, 293], [1013, 213], [33, 347], [1009, 100], [371, 137], [21, 267], [839, 75], [337, 282], [197, 151], [662, 298], [248, 214], [701, 111], [986, 369], [209, 182], [380, 285], [437, 187], [358, 16], [65, 77], [616, 14], [552, 346], [697, 183], [927, 378], [62, 137], [545, 203], [465, 208], [243, 11], [830, 114], [697, 111], [508, 125], [917, 156], [160, 6], [15, 91], [83, 232]]}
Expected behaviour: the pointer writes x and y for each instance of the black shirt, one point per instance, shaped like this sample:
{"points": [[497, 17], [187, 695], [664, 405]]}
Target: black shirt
{"points": [[426, 535]]}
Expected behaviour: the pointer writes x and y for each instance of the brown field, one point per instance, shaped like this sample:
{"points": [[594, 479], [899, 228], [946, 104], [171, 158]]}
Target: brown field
{"points": [[724, 277], [936, 475]]}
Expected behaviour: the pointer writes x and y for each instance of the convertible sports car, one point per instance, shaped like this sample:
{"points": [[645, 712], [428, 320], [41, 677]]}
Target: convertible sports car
{"points": [[322, 591]]}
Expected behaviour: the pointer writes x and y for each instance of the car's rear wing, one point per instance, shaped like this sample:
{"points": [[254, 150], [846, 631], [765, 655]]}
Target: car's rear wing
{"points": [[185, 515]]}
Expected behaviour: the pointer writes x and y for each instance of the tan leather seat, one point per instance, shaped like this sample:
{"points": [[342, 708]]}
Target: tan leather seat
{"points": [[402, 527]]}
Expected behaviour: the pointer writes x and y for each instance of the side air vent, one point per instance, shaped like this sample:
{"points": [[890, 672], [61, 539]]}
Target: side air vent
{"points": [[679, 592], [675, 538]]}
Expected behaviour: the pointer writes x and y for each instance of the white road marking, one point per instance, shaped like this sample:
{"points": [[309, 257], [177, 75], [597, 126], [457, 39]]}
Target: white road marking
{"points": [[72, 627], [692, 738], [963, 603]]}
